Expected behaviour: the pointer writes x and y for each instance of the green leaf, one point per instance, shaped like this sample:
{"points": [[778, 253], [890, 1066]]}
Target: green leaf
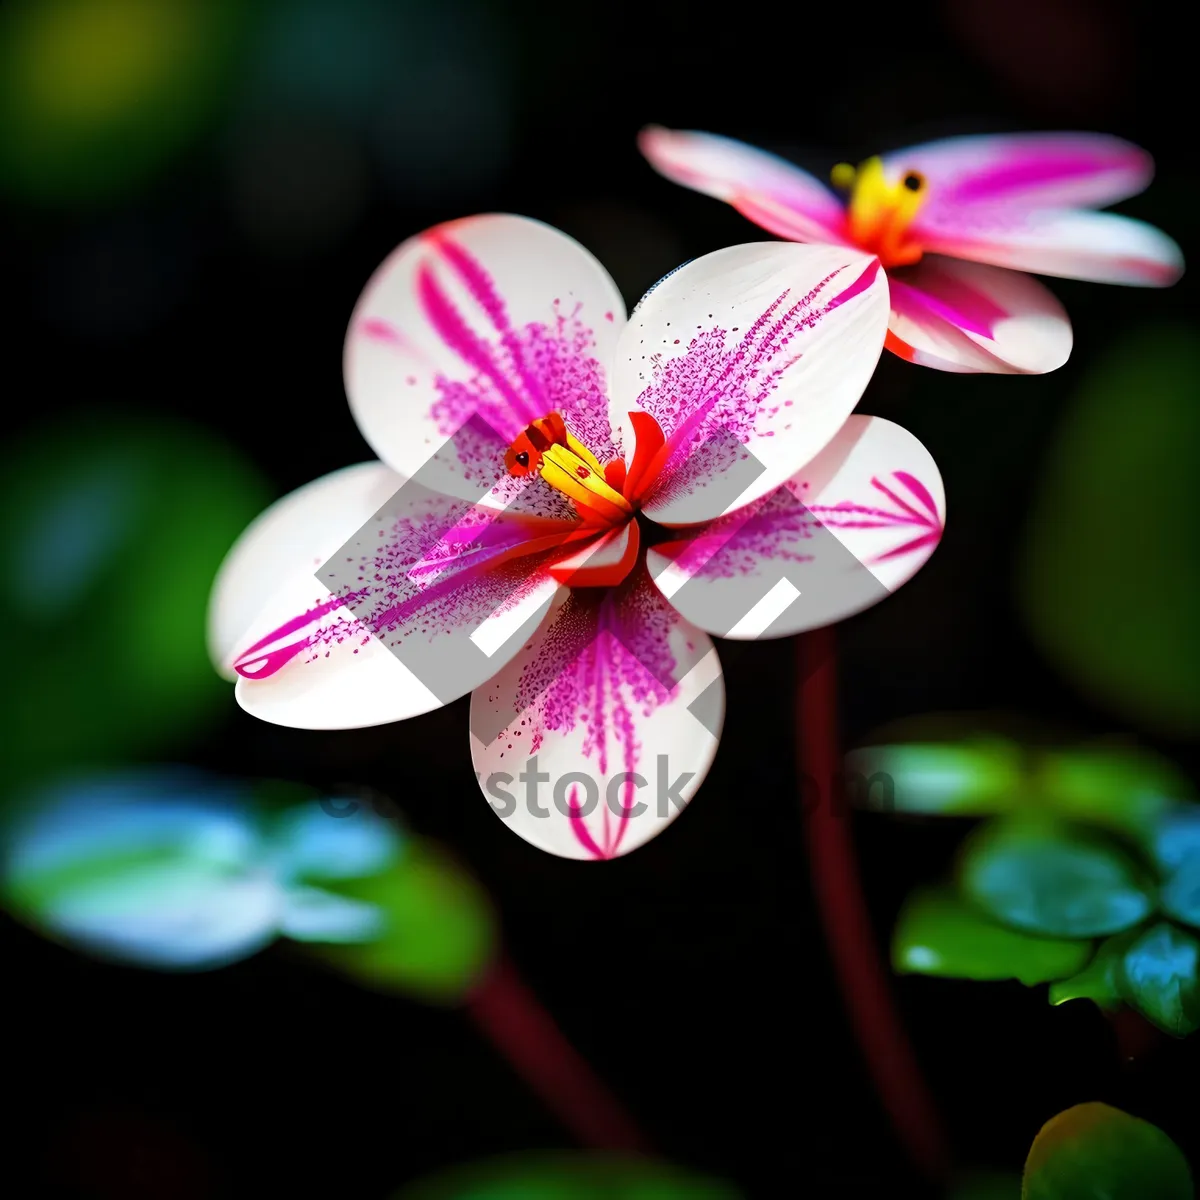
{"points": [[114, 529], [1099, 981], [164, 868], [1053, 879], [968, 778], [1160, 977], [439, 930], [565, 1176], [1124, 788], [938, 933], [1094, 1152], [1105, 587]]}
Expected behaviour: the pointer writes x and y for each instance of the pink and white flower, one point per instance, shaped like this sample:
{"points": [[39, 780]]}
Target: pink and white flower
{"points": [[612, 489], [955, 223]]}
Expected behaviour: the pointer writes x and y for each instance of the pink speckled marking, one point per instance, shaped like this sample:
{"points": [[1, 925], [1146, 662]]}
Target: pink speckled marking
{"points": [[606, 659], [772, 528], [716, 394], [515, 375], [442, 564]]}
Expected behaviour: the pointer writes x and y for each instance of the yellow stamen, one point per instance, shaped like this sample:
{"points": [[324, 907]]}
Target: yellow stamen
{"points": [[583, 480], [881, 210], [579, 449]]}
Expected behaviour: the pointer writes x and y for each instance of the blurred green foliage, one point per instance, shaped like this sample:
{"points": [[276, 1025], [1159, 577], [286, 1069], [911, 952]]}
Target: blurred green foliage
{"points": [[563, 1176], [115, 528], [1109, 578], [940, 933], [95, 95], [1094, 1152], [1084, 871], [439, 932], [174, 869]]}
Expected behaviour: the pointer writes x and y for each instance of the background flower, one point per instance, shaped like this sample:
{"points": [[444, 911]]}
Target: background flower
{"points": [[942, 217]]}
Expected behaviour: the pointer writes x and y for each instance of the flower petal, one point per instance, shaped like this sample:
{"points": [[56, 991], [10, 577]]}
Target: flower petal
{"points": [[967, 317], [1071, 243], [854, 525], [595, 737], [290, 540], [1044, 169], [750, 359], [423, 603], [799, 206], [495, 317]]}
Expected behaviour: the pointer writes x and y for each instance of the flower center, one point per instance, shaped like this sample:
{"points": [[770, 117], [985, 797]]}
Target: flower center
{"points": [[880, 212], [549, 449]]}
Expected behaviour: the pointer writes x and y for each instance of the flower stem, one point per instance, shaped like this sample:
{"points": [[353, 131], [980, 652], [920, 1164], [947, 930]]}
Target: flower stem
{"points": [[863, 977], [512, 1017]]}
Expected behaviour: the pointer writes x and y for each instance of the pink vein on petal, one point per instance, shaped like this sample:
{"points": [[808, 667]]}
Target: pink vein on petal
{"points": [[926, 539], [252, 664], [919, 490], [454, 331], [579, 827], [483, 290], [953, 301]]}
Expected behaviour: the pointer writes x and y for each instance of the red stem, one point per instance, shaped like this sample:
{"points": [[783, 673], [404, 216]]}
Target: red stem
{"points": [[525, 1033], [863, 978]]}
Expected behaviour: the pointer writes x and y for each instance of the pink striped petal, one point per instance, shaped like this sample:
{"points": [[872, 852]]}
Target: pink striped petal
{"points": [[767, 189], [750, 359], [494, 318], [594, 738], [966, 317], [853, 526], [427, 597], [289, 541], [1045, 170], [1073, 244]]}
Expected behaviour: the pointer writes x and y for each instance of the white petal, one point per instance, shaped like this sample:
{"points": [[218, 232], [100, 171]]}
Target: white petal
{"points": [[750, 359], [847, 531], [426, 600], [614, 704], [289, 541], [497, 318], [968, 317]]}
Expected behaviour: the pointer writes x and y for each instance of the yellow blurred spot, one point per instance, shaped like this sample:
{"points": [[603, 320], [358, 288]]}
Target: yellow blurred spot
{"points": [[89, 60], [843, 176]]}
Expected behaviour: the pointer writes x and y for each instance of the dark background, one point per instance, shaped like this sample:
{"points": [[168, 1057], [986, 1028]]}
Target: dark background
{"points": [[692, 974]]}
